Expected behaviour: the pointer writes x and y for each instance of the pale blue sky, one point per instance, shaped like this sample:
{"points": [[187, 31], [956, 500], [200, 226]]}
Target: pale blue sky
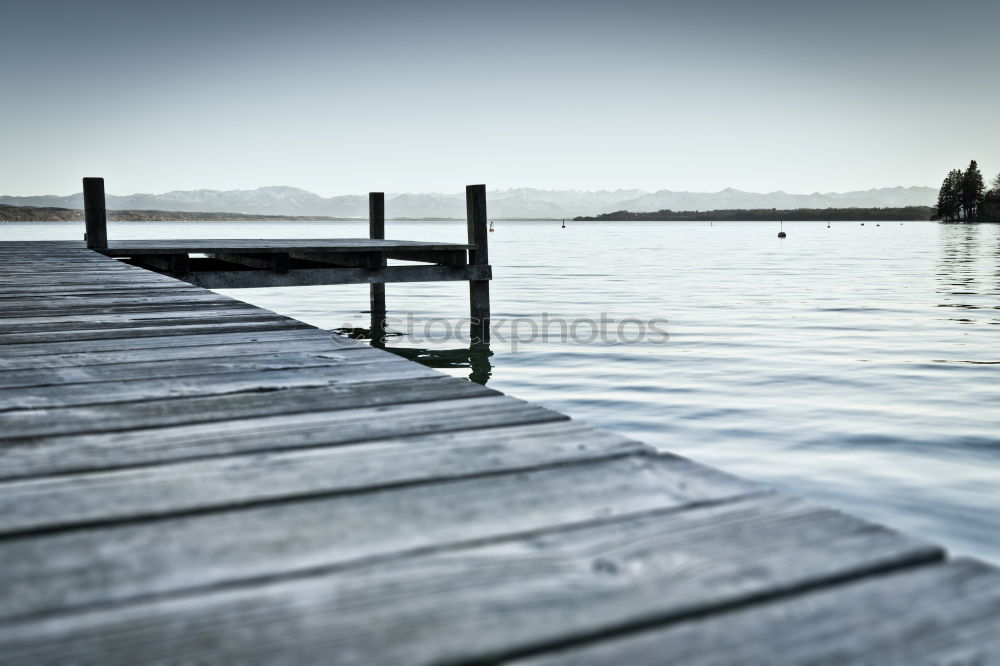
{"points": [[340, 97]]}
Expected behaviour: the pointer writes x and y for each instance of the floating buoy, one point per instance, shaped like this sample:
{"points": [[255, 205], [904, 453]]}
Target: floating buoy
{"points": [[491, 226], [781, 234], [564, 224], [878, 225], [862, 224]]}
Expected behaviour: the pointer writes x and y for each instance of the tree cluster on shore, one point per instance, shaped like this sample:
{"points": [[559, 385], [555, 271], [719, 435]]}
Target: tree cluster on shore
{"points": [[964, 198], [904, 213]]}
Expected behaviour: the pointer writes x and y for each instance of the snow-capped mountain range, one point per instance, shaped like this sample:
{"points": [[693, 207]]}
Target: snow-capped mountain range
{"points": [[523, 203]]}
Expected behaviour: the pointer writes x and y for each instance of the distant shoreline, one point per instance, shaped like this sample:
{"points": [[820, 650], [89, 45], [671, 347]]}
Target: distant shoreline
{"points": [[906, 213]]}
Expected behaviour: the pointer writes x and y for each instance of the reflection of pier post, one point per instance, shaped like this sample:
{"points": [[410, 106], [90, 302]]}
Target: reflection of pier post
{"points": [[479, 290], [475, 357], [376, 230]]}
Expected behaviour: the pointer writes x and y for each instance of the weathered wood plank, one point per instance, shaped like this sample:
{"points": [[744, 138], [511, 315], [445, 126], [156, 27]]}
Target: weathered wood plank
{"points": [[481, 602], [212, 325], [330, 276], [121, 309], [290, 340], [59, 322], [106, 496], [130, 561], [136, 276], [103, 449], [165, 342], [29, 425], [161, 369], [123, 288], [60, 303], [265, 246], [233, 381], [929, 616]]}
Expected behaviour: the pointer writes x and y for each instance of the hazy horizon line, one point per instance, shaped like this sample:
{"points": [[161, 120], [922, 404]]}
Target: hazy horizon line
{"points": [[499, 189]]}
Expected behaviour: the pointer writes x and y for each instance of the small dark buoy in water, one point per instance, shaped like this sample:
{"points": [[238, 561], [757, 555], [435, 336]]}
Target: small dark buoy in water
{"points": [[491, 226], [564, 224], [878, 225], [862, 224], [781, 234]]}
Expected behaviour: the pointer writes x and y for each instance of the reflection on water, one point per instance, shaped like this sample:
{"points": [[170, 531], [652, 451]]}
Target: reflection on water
{"points": [[475, 358], [968, 273]]}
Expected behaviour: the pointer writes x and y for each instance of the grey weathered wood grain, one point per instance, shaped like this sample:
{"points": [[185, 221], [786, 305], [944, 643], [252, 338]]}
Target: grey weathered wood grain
{"points": [[46, 572], [152, 343], [52, 323], [480, 602], [75, 281], [212, 325], [26, 457], [233, 381], [28, 425], [291, 340], [113, 495], [124, 287], [59, 303], [929, 616], [161, 369]]}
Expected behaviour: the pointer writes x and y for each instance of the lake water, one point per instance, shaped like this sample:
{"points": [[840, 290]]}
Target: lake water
{"points": [[856, 365]]}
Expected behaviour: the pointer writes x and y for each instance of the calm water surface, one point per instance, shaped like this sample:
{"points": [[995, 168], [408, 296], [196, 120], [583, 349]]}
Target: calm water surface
{"points": [[857, 365]]}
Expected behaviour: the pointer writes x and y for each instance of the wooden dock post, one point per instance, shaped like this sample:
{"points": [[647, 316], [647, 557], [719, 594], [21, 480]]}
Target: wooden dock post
{"points": [[95, 213], [376, 292], [479, 290]]}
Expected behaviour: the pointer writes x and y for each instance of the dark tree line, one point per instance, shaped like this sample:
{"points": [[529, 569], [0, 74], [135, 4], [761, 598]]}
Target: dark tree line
{"points": [[964, 197], [906, 213]]}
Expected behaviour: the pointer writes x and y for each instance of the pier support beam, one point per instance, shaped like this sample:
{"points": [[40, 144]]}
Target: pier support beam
{"points": [[95, 213], [376, 291], [479, 290]]}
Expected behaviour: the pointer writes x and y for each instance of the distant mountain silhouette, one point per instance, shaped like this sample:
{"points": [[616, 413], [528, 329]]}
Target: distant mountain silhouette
{"points": [[524, 203]]}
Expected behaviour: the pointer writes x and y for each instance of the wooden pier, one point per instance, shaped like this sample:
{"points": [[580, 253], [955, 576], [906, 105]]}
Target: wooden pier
{"points": [[186, 478]]}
